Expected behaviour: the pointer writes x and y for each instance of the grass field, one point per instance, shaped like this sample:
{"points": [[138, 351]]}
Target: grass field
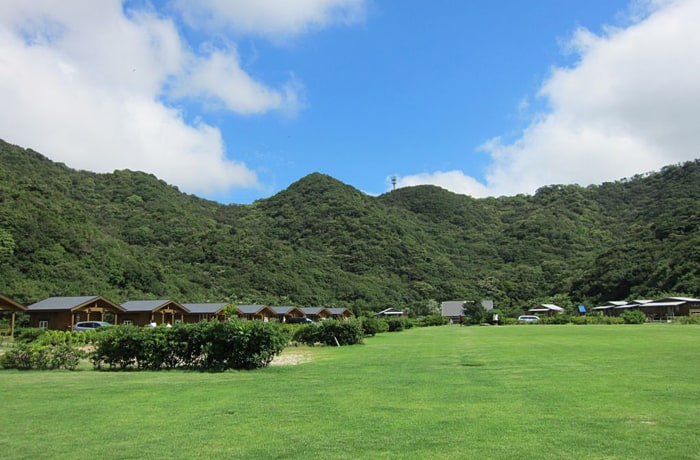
{"points": [[580, 392]]}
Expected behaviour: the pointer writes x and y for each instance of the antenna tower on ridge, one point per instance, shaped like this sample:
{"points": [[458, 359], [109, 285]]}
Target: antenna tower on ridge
{"points": [[393, 182]]}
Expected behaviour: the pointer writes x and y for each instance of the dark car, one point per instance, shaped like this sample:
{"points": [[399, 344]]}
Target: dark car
{"points": [[303, 320], [90, 325]]}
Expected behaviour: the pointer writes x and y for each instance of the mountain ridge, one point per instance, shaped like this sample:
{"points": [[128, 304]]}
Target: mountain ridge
{"points": [[129, 235]]}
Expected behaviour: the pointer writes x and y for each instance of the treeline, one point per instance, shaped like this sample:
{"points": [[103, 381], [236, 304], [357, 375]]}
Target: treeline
{"points": [[128, 235]]}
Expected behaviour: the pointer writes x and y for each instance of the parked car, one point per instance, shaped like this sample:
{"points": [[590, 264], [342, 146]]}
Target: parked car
{"points": [[90, 325], [302, 320], [528, 318]]}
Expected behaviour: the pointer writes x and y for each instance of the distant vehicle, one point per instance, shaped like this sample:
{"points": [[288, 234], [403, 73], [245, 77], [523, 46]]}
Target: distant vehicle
{"points": [[303, 320], [528, 318], [90, 325]]}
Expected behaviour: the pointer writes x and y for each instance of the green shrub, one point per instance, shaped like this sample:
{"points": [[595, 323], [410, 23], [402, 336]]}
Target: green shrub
{"points": [[688, 319], [348, 332], [22, 355], [633, 317], [207, 345], [556, 319], [308, 334], [598, 318], [157, 349], [579, 319], [225, 344], [331, 332], [35, 355], [432, 320], [399, 324], [261, 343], [65, 356], [118, 346], [28, 334], [373, 326]]}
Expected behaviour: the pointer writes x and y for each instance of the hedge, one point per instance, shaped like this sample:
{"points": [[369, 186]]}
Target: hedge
{"points": [[37, 355], [331, 332], [207, 345]]}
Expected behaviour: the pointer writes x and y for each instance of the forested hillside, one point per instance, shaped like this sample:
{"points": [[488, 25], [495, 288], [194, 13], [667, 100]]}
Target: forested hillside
{"points": [[128, 235]]}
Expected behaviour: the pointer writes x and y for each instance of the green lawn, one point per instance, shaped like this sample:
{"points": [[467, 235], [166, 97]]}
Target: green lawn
{"points": [[602, 392]]}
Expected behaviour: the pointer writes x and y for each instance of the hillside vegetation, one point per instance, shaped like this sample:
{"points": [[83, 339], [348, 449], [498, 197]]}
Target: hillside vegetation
{"points": [[129, 235]]}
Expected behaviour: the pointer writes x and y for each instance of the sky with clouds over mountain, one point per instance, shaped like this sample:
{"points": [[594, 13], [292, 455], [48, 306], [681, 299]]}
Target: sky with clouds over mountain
{"points": [[233, 100]]}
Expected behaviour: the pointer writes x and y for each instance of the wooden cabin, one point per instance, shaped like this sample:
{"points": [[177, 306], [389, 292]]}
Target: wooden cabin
{"points": [[61, 313]]}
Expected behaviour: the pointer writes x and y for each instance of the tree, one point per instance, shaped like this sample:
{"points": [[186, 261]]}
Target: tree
{"points": [[7, 243], [474, 312], [320, 242]]}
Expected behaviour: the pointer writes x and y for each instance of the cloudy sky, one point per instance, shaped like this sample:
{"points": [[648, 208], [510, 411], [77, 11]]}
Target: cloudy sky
{"points": [[233, 100]]}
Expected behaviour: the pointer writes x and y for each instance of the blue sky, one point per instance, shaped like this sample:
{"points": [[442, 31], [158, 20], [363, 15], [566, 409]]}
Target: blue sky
{"points": [[236, 100]]}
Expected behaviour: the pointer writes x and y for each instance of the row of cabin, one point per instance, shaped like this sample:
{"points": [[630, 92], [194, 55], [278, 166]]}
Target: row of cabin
{"points": [[663, 309], [61, 313]]}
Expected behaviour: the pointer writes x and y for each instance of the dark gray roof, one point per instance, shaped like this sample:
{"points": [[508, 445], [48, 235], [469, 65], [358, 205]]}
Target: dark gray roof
{"points": [[282, 310], [144, 305], [664, 304], [205, 308], [337, 311], [311, 310], [61, 303], [681, 299], [249, 309], [452, 308]]}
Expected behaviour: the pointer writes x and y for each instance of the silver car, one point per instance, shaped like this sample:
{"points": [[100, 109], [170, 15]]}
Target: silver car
{"points": [[90, 325], [528, 318]]}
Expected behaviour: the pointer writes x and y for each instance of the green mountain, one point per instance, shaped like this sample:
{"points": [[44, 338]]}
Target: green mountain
{"points": [[129, 235]]}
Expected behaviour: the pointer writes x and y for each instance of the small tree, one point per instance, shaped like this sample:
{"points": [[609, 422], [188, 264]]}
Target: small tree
{"points": [[372, 326], [231, 311], [633, 317], [474, 312]]}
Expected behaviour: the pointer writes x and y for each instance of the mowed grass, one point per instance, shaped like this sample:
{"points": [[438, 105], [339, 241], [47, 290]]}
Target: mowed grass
{"points": [[600, 392]]}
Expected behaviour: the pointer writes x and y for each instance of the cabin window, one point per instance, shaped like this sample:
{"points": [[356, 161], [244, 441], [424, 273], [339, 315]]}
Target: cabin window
{"points": [[126, 322], [43, 324]]}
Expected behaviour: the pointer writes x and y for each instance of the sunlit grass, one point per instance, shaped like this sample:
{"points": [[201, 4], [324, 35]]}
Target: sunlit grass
{"points": [[448, 392]]}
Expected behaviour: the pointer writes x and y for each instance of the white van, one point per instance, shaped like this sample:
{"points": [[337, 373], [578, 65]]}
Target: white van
{"points": [[528, 318]]}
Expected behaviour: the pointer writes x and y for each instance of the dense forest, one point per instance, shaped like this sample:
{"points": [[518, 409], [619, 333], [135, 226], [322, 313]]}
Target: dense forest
{"points": [[129, 235]]}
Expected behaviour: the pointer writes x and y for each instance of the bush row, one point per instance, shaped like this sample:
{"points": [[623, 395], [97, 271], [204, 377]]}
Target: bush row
{"points": [[373, 326], [432, 320], [572, 319], [688, 319], [37, 355], [331, 332], [50, 337], [627, 317], [207, 345]]}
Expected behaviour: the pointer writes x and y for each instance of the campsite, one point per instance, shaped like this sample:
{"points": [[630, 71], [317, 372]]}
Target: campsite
{"points": [[447, 392]]}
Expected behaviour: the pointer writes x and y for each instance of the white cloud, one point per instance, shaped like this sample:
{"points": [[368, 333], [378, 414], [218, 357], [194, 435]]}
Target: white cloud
{"points": [[218, 77], [628, 106], [86, 82], [455, 181], [275, 19]]}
